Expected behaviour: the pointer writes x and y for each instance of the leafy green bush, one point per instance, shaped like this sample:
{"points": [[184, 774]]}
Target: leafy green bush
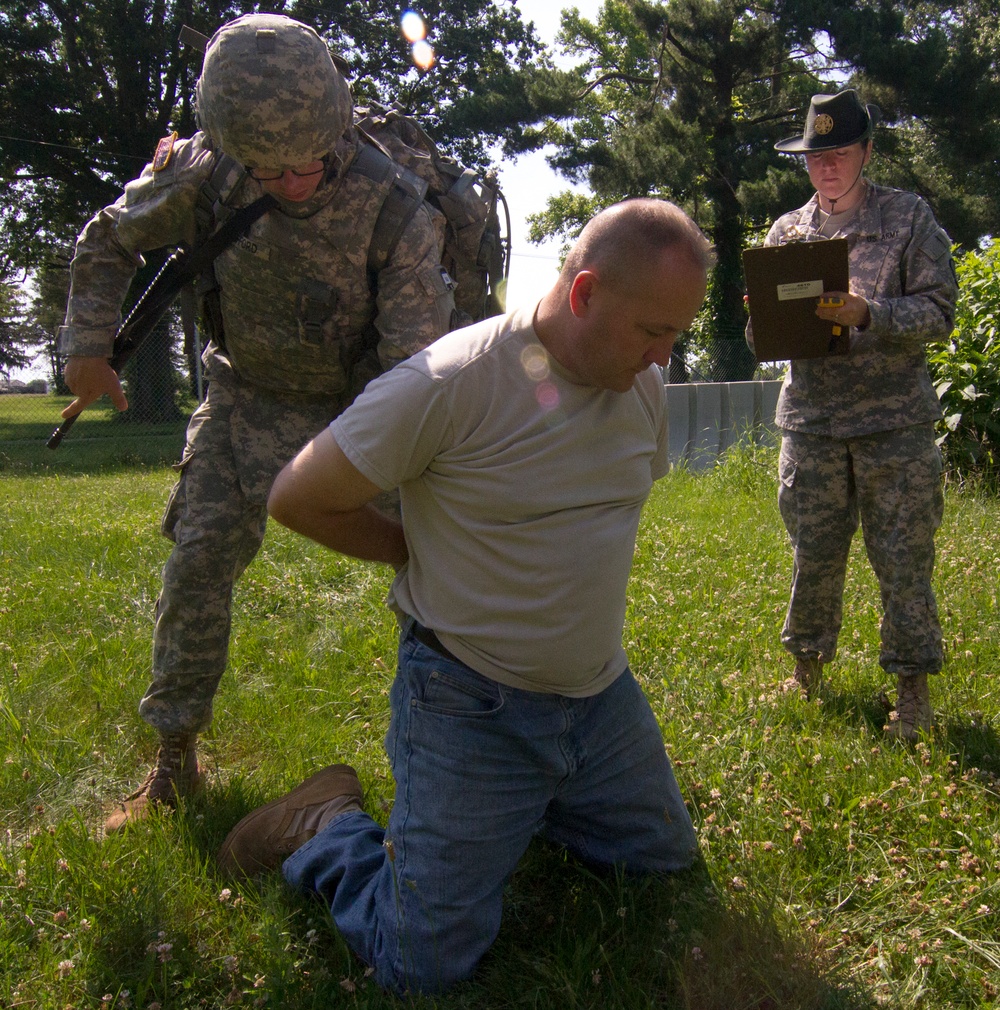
{"points": [[966, 368]]}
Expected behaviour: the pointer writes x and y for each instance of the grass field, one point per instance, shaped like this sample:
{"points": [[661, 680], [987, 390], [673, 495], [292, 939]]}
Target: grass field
{"points": [[99, 440], [837, 871]]}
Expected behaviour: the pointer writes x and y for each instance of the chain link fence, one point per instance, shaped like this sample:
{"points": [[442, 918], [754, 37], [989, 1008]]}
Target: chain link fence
{"points": [[722, 360], [162, 392], [163, 385]]}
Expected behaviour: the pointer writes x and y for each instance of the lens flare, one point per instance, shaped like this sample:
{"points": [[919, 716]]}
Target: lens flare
{"points": [[547, 395], [423, 55], [415, 32], [413, 27], [535, 362]]}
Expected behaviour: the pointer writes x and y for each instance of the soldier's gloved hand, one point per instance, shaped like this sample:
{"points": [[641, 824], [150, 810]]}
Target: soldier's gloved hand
{"points": [[89, 379]]}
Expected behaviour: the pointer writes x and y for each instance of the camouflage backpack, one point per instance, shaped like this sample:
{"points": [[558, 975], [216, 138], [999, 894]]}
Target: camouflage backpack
{"points": [[476, 251]]}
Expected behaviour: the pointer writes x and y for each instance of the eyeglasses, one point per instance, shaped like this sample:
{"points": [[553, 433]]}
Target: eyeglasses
{"points": [[273, 175]]}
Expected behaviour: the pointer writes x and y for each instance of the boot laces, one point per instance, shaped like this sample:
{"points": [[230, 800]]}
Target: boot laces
{"points": [[174, 771], [910, 701]]}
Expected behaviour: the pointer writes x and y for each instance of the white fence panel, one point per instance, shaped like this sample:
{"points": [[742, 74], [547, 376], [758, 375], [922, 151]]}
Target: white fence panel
{"points": [[707, 417]]}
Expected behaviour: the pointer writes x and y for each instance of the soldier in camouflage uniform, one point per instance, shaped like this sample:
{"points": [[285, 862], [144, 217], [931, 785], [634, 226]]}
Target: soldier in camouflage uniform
{"points": [[858, 430], [298, 330]]}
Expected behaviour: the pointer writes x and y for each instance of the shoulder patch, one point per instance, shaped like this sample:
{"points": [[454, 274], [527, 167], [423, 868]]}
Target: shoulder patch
{"points": [[164, 151]]}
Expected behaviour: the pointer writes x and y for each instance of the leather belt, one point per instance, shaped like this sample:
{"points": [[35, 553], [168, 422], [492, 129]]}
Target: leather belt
{"points": [[425, 636]]}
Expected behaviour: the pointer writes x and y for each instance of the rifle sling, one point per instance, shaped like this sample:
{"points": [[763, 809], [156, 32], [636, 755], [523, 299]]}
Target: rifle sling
{"points": [[154, 301], [227, 234]]}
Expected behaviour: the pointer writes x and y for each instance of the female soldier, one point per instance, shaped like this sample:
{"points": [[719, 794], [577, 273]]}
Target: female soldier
{"points": [[858, 429]]}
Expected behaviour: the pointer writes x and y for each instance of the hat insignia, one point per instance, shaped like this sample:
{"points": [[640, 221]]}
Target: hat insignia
{"points": [[823, 124]]}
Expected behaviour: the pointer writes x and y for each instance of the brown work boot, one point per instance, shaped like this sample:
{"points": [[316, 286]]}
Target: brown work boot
{"points": [[173, 775], [807, 676], [271, 833], [913, 714]]}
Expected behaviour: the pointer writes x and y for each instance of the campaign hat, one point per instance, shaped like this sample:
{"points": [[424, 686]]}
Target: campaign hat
{"points": [[833, 121]]}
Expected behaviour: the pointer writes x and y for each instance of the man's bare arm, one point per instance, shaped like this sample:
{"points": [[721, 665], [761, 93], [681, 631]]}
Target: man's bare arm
{"points": [[323, 496]]}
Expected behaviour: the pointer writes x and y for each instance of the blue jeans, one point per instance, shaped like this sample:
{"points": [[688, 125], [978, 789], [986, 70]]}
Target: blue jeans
{"points": [[481, 768]]}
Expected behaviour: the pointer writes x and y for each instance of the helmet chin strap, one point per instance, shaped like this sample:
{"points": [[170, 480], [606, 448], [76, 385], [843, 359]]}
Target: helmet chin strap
{"points": [[330, 171], [833, 203], [334, 162]]}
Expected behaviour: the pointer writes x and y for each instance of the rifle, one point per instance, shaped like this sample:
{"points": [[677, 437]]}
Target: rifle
{"points": [[182, 267]]}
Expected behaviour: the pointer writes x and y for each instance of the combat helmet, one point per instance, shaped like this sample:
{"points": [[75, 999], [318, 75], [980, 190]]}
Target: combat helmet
{"points": [[270, 95]]}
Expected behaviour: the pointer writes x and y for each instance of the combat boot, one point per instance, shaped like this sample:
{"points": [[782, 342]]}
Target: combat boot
{"points": [[913, 714], [271, 833], [173, 775], [807, 677]]}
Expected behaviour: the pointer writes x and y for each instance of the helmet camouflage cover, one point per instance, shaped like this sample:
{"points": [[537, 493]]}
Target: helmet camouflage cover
{"points": [[270, 95]]}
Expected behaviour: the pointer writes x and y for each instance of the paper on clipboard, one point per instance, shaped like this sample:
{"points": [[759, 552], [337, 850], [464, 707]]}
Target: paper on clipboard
{"points": [[783, 283]]}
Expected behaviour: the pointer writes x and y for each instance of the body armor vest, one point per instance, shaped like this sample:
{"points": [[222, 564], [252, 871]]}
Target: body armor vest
{"points": [[296, 296]]}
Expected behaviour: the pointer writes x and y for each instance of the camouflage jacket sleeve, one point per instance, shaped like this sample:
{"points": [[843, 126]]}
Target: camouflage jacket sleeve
{"points": [[156, 210], [916, 302], [415, 302]]}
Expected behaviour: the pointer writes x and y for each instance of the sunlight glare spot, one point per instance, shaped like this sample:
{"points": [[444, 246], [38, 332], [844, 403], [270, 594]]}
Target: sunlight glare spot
{"points": [[535, 362], [413, 27], [423, 55]]}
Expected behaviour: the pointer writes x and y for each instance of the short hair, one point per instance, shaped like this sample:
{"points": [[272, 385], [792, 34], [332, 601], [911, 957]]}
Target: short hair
{"points": [[620, 240]]}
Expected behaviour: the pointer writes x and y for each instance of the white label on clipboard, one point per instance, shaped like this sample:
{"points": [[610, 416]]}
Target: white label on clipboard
{"points": [[800, 289]]}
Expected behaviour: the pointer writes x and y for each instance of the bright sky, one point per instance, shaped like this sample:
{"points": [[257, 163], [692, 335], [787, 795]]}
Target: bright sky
{"points": [[528, 182]]}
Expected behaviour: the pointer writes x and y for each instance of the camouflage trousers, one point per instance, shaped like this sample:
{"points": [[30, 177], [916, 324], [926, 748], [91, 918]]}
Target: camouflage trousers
{"points": [[891, 482], [237, 441]]}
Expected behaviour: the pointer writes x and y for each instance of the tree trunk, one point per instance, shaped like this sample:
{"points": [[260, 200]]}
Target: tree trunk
{"points": [[731, 358], [152, 381]]}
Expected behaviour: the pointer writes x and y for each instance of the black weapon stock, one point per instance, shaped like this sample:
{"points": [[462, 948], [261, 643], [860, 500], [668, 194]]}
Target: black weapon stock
{"points": [[181, 267]]}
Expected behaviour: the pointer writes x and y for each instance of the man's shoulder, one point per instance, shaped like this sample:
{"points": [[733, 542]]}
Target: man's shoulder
{"points": [[177, 158], [181, 165], [651, 390], [455, 371], [464, 351], [157, 208]]}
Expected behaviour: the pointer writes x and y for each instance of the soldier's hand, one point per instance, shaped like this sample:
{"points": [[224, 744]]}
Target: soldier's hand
{"points": [[844, 308], [89, 379]]}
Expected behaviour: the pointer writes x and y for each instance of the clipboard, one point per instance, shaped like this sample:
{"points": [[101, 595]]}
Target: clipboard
{"points": [[784, 283]]}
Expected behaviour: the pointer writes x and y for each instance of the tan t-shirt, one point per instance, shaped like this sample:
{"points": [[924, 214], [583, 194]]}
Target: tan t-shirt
{"points": [[521, 491]]}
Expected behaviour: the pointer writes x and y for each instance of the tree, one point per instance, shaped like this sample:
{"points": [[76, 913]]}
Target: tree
{"points": [[932, 68], [685, 99], [13, 329], [48, 307], [89, 88]]}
